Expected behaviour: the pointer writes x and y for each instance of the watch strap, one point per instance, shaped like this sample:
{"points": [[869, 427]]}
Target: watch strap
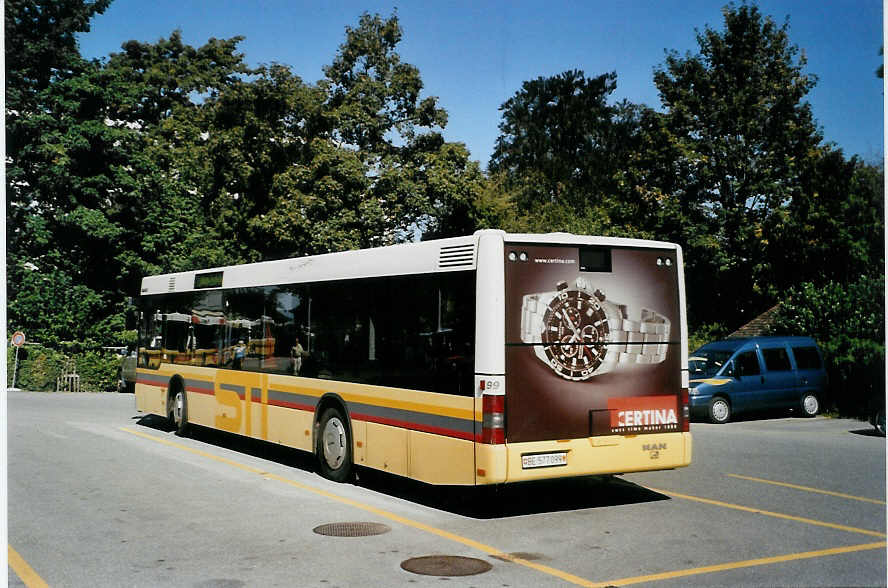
{"points": [[644, 341], [630, 341]]}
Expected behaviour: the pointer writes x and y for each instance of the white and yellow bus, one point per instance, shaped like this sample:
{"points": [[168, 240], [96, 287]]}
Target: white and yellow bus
{"points": [[485, 359]]}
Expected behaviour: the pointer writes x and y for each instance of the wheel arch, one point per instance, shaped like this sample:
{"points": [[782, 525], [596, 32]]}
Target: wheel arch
{"points": [[176, 383], [724, 396]]}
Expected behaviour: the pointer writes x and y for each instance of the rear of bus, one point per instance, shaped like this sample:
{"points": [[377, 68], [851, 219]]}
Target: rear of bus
{"points": [[581, 357]]}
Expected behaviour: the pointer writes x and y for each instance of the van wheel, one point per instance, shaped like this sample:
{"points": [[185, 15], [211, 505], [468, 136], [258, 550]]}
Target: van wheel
{"points": [[719, 410], [810, 405], [333, 447]]}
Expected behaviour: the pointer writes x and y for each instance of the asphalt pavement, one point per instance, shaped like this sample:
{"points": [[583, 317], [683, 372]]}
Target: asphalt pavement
{"points": [[100, 495]]}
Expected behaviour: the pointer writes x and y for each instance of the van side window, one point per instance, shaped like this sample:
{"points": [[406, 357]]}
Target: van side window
{"points": [[776, 359], [807, 358], [747, 364]]}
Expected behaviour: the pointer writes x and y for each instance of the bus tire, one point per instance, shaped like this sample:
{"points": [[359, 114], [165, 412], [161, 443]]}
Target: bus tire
{"points": [[810, 405], [333, 447], [719, 410], [179, 410]]}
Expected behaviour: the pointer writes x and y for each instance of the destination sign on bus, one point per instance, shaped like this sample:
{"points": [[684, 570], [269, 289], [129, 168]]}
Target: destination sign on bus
{"points": [[208, 280]]}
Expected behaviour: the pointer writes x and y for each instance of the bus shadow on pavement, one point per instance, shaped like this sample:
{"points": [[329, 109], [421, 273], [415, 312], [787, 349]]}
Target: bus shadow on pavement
{"points": [[482, 502], [512, 500], [254, 447]]}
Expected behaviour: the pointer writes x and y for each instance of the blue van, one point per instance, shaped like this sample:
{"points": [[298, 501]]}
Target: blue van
{"points": [[758, 373]]}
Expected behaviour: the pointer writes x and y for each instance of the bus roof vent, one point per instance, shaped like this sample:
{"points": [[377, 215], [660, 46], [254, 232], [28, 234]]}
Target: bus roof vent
{"points": [[457, 256], [172, 285]]}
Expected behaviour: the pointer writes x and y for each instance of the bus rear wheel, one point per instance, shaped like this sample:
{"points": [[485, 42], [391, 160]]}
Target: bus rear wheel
{"points": [[333, 447]]}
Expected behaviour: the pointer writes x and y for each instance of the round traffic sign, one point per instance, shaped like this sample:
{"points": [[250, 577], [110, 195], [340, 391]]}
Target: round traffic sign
{"points": [[18, 339]]}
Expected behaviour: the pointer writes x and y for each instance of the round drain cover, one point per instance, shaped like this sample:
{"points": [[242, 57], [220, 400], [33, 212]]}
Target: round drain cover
{"points": [[352, 529], [446, 565]]}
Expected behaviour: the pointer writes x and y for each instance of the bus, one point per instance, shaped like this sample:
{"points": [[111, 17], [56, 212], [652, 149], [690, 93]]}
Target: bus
{"points": [[486, 359]]}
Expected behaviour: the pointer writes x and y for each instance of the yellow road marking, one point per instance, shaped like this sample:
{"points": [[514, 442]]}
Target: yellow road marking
{"points": [[25, 572], [807, 489], [567, 577], [768, 513], [747, 564]]}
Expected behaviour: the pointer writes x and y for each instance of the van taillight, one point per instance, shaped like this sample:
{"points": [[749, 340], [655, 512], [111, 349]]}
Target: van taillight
{"points": [[493, 419], [685, 410]]}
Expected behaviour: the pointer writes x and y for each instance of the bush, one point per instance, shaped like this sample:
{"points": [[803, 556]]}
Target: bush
{"points": [[847, 321], [706, 334], [39, 367]]}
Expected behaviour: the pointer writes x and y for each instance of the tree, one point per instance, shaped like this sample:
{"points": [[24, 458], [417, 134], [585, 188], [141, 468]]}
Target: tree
{"points": [[373, 106], [356, 161], [848, 321], [833, 229], [559, 132], [41, 46], [97, 196], [737, 111]]}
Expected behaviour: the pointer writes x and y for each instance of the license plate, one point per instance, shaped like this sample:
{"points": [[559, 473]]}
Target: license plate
{"points": [[543, 460]]}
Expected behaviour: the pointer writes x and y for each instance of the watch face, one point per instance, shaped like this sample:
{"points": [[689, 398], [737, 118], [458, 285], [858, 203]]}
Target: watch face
{"points": [[575, 333]]}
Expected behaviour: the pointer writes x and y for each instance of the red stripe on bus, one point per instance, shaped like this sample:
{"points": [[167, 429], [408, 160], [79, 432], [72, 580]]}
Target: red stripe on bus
{"points": [[151, 383], [206, 391], [414, 426], [284, 404], [361, 417]]}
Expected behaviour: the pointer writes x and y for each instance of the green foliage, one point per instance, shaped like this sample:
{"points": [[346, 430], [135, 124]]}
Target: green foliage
{"points": [[166, 157], [41, 44], [744, 132], [558, 130], [848, 322], [39, 367], [706, 334]]}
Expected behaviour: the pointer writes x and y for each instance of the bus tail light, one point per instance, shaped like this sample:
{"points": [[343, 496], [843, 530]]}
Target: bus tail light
{"points": [[685, 410], [493, 420]]}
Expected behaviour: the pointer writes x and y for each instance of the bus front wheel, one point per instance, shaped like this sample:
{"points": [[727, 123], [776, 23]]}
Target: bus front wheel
{"points": [[334, 446]]}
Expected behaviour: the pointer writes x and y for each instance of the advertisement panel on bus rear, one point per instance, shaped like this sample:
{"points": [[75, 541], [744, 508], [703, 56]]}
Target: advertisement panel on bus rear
{"points": [[592, 336]]}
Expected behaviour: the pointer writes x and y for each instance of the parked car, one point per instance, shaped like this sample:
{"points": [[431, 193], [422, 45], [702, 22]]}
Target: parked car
{"points": [[756, 374], [126, 373], [877, 420]]}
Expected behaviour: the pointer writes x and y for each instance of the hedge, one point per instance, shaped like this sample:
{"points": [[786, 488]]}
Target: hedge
{"points": [[847, 320], [39, 367]]}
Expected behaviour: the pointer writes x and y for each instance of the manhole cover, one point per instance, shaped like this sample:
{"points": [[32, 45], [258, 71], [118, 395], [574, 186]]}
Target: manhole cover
{"points": [[352, 529], [446, 565]]}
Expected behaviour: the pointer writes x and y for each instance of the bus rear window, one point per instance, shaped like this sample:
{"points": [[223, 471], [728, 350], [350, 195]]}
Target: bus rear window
{"points": [[595, 259]]}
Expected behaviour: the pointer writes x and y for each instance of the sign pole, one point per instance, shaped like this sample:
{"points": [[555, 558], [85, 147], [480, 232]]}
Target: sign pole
{"points": [[15, 367], [18, 339]]}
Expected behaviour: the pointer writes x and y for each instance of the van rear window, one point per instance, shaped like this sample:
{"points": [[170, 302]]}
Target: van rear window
{"points": [[807, 358]]}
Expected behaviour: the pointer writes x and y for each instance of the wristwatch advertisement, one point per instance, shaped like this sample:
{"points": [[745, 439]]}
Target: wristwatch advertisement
{"points": [[583, 334], [588, 330]]}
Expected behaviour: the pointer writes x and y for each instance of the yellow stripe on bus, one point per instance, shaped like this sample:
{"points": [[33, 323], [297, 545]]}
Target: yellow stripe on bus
{"points": [[446, 405]]}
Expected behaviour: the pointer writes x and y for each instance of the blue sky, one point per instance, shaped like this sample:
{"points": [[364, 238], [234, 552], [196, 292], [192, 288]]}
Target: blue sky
{"points": [[474, 55]]}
